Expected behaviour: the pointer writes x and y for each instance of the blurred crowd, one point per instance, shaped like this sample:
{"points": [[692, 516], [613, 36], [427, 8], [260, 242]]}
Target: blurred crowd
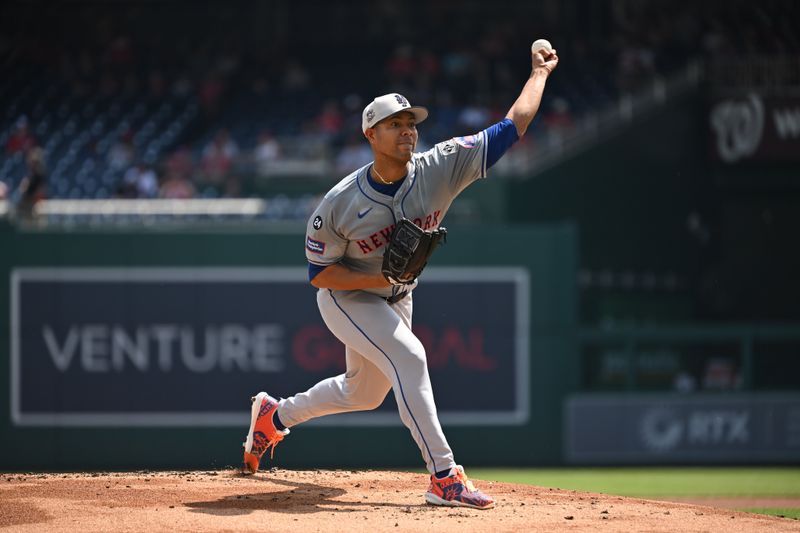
{"points": [[279, 86]]}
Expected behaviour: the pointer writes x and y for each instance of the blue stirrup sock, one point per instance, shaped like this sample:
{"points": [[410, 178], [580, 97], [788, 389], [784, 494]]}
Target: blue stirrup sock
{"points": [[441, 474], [276, 420]]}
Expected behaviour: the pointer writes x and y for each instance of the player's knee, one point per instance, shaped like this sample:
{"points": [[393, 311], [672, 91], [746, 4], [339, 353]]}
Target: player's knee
{"points": [[365, 403], [364, 396], [416, 354], [373, 403]]}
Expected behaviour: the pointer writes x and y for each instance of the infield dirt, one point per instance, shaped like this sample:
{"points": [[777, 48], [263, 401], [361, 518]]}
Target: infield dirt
{"points": [[283, 501]]}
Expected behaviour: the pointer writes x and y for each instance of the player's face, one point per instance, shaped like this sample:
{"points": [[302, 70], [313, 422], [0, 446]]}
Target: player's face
{"points": [[396, 136]]}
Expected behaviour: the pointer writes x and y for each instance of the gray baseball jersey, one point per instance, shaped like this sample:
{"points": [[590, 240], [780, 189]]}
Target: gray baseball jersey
{"points": [[353, 225], [354, 222]]}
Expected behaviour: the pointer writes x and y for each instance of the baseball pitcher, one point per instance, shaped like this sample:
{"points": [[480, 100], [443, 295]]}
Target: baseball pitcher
{"points": [[366, 244]]}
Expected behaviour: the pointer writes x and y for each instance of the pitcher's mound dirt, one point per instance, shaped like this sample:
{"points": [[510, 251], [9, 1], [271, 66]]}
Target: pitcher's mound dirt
{"points": [[335, 501]]}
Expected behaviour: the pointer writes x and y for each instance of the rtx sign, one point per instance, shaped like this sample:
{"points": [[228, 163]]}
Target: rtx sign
{"points": [[664, 429], [676, 428]]}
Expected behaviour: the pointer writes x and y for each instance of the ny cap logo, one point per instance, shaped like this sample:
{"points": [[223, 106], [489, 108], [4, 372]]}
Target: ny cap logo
{"points": [[370, 114], [402, 100]]}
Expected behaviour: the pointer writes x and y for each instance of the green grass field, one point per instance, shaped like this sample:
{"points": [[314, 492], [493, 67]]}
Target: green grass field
{"points": [[663, 483]]}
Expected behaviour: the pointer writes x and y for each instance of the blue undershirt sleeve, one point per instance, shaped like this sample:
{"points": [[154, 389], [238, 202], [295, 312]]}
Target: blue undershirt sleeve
{"points": [[313, 270], [499, 137]]}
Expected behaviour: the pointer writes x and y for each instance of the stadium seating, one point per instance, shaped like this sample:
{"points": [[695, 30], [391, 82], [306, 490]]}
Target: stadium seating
{"points": [[170, 75]]}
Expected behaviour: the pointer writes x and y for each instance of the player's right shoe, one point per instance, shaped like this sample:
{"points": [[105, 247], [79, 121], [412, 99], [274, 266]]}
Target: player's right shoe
{"points": [[263, 434], [456, 490]]}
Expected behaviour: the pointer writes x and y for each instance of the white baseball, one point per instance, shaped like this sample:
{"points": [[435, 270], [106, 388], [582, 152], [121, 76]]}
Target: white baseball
{"points": [[541, 44]]}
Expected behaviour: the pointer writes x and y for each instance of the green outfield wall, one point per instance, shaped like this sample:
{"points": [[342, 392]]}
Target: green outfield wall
{"points": [[97, 371]]}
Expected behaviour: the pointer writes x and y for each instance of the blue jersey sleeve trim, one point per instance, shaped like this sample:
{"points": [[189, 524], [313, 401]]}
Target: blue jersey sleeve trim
{"points": [[313, 270], [499, 138]]}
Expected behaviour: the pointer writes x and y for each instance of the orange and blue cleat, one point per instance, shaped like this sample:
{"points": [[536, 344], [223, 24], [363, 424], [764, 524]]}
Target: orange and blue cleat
{"points": [[263, 434], [456, 490]]}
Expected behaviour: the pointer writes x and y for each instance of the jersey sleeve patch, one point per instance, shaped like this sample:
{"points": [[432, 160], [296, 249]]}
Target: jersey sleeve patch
{"points": [[314, 246], [467, 142]]}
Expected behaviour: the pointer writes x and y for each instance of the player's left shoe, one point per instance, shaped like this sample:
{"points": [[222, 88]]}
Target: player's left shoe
{"points": [[456, 490], [263, 434]]}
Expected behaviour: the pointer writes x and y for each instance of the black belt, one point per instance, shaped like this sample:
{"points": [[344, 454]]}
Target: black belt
{"points": [[396, 297]]}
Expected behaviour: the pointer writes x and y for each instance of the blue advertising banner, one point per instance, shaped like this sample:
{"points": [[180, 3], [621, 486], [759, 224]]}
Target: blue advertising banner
{"points": [[671, 428], [188, 346]]}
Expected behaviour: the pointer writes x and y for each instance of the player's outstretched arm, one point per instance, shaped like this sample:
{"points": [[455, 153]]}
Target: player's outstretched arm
{"points": [[341, 278], [527, 104]]}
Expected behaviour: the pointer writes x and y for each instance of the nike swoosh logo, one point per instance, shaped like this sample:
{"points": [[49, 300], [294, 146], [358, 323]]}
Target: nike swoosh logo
{"points": [[364, 213]]}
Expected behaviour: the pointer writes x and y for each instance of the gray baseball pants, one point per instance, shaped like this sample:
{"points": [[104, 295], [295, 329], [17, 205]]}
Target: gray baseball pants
{"points": [[382, 353]]}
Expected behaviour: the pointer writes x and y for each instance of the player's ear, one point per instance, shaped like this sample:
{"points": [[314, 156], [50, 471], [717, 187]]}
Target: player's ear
{"points": [[369, 133]]}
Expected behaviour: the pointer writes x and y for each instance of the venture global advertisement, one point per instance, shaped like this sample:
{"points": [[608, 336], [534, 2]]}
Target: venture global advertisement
{"points": [[188, 347]]}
